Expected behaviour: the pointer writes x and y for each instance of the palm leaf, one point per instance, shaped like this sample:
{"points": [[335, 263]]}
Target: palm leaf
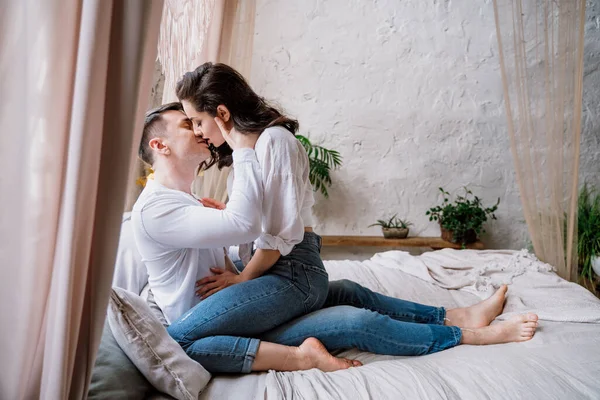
{"points": [[321, 162], [588, 229]]}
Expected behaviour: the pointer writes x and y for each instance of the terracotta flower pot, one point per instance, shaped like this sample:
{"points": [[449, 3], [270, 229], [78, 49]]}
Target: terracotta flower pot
{"points": [[469, 237], [394, 233]]}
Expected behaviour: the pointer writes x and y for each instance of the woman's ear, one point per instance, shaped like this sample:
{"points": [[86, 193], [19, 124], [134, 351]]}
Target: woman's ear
{"points": [[223, 113]]}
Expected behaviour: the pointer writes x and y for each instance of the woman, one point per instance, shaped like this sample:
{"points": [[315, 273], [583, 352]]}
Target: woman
{"points": [[287, 249], [286, 279]]}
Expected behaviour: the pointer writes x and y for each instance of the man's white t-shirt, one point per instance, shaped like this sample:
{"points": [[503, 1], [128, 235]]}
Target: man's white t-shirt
{"points": [[180, 240]]}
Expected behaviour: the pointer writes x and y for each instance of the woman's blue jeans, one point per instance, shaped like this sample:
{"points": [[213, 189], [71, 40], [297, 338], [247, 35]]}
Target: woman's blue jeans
{"points": [[293, 302], [296, 285]]}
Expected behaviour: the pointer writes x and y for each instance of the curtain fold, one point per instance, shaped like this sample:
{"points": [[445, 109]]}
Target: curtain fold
{"points": [[541, 60], [78, 91], [194, 32]]}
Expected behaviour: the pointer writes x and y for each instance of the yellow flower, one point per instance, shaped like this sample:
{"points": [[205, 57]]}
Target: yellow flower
{"points": [[141, 181]]}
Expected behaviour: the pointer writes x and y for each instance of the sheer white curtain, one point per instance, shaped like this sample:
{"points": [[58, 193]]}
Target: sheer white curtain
{"points": [[75, 79], [194, 32], [541, 59]]}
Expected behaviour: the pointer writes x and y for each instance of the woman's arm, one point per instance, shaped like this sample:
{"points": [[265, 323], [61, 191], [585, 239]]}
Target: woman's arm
{"points": [[261, 262], [284, 166], [172, 222], [168, 220]]}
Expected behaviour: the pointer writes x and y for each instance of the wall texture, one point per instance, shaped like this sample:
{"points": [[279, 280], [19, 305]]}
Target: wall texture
{"points": [[590, 141], [410, 94]]}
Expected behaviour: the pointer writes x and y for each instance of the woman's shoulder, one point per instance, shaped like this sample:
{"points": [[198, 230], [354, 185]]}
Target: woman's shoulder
{"points": [[277, 133], [276, 138]]}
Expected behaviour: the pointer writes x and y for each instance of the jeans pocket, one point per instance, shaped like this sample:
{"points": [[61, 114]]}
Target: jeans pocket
{"points": [[316, 269], [315, 283]]}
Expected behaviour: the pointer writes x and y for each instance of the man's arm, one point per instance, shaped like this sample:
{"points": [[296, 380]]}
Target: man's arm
{"points": [[260, 263]]}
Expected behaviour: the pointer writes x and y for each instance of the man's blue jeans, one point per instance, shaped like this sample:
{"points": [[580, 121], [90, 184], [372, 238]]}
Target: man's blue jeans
{"points": [[223, 335]]}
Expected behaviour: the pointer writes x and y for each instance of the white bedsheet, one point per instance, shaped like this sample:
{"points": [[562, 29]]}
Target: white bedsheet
{"points": [[562, 361]]}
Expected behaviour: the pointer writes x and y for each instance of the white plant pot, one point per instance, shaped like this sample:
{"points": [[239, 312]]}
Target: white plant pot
{"points": [[596, 265]]}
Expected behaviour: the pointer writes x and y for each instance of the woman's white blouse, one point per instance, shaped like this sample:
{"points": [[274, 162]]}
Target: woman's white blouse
{"points": [[288, 194]]}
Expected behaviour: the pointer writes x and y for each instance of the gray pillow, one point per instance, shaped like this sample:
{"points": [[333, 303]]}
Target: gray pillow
{"points": [[114, 375], [148, 345]]}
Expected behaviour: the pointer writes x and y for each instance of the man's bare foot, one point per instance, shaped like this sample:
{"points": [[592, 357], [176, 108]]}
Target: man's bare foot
{"points": [[479, 315], [312, 354], [519, 328]]}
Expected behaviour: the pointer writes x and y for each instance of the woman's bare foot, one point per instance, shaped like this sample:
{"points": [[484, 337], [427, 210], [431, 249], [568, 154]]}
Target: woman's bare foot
{"points": [[519, 328], [479, 315], [312, 354]]}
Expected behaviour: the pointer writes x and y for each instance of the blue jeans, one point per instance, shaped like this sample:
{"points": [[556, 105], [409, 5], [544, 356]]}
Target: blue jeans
{"points": [[296, 285], [353, 316], [356, 317]]}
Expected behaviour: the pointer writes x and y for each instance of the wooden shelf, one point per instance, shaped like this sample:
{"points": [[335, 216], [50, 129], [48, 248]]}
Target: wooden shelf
{"points": [[379, 241]]}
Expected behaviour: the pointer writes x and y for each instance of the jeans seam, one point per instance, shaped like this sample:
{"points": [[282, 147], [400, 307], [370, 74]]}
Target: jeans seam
{"points": [[376, 334], [393, 315], [441, 316], [250, 355], [311, 293], [184, 337], [457, 334]]}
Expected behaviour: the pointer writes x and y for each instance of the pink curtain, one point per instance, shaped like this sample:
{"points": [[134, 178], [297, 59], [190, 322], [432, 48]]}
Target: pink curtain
{"points": [[75, 80]]}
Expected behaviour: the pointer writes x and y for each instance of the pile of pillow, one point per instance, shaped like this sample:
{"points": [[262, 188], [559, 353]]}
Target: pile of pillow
{"points": [[137, 356]]}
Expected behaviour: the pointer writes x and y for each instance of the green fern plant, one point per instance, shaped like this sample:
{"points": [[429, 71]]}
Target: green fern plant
{"points": [[322, 161], [392, 223], [588, 230], [466, 214]]}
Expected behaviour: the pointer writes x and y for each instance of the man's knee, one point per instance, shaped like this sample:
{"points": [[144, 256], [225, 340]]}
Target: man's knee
{"points": [[359, 319]]}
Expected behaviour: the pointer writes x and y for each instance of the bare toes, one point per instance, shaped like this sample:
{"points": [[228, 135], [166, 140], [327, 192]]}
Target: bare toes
{"points": [[532, 317]]}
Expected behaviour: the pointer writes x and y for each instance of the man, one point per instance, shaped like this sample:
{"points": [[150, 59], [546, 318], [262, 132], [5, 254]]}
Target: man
{"points": [[180, 240]]}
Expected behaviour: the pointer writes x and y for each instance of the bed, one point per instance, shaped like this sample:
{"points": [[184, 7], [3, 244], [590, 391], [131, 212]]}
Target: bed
{"points": [[562, 361]]}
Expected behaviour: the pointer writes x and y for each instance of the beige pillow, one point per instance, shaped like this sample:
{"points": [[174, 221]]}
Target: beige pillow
{"points": [[149, 297], [148, 345]]}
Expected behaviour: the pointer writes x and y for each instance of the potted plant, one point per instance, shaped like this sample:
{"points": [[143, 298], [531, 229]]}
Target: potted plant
{"points": [[462, 221], [394, 228], [588, 232]]}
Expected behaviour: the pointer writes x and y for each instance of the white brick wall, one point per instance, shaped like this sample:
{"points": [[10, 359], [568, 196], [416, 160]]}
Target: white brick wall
{"points": [[410, 93]]}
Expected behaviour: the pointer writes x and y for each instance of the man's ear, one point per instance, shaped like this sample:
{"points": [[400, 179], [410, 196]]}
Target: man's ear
{"points": [[223, 113], [157, 145]]}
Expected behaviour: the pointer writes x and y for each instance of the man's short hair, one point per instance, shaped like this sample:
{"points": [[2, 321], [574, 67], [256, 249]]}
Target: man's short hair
{"points": [[154, 126]]}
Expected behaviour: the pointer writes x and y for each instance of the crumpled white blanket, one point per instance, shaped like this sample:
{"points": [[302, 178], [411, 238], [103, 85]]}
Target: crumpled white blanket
{"points": [[533, 284], [562, 361]]}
